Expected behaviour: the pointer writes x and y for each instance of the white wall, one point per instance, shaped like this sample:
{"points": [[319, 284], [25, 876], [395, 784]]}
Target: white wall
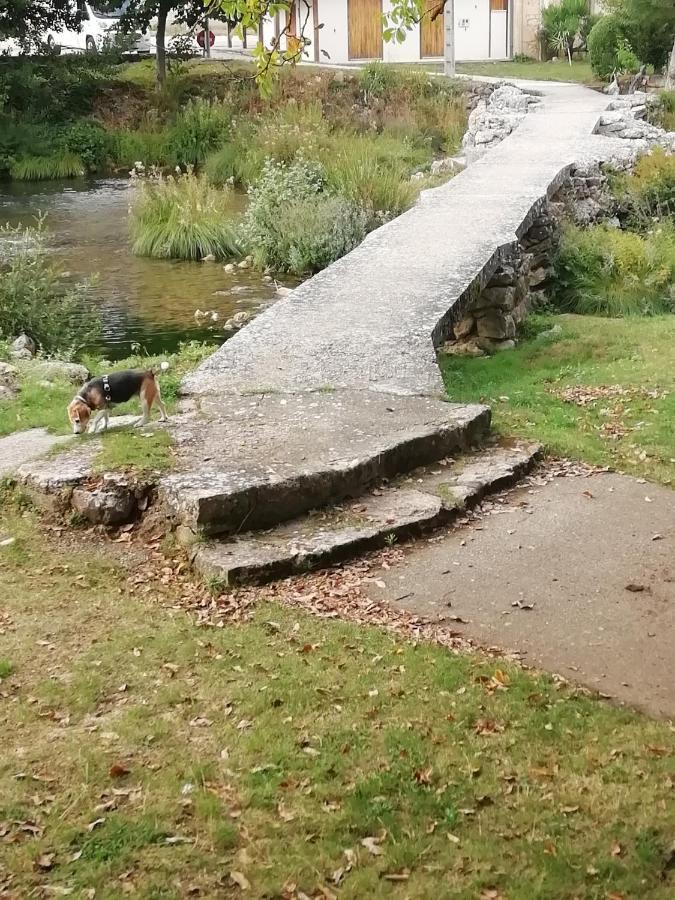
{"points": [[408, 51]]}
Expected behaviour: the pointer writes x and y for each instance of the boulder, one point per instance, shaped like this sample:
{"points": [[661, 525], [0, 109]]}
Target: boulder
{"points": [[56, 369], [23, 347], [464, 327]]}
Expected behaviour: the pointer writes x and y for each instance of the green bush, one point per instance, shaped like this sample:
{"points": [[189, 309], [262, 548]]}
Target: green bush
{"points": [[36, 299], [200, 128], [182, 216], [293, 225], [626, 59], [47, 168], [88, 141], [649, 26], [603, 44], [52, 89], [609, 272], [648, 193]]}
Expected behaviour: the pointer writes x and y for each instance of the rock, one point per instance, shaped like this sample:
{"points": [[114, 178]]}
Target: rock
{"points": [[267, 279], [556, 331], [56, 369], [417, 176], [229, 268], [496, 325], [539, 276], [464, 327], [613, 88], [505, 276], [9, 381], [496, 297], [23, 347], [447, 164], [462, 348], [613, 222], [47, 385], [244, 264], [209, 258], [237, 321], [587, 211], [113, 502], [490, 346], [509, 97]]}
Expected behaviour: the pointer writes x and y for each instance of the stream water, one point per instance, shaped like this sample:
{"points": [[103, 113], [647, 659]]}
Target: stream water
{"points": [[141, 301]]}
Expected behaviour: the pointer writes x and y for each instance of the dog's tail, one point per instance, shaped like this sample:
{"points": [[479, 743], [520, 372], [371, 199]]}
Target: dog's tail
{"points": [[162, 367]]}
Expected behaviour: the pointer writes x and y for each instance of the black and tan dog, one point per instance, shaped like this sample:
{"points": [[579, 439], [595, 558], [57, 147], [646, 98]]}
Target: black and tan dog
{"points": [[99, 394]]}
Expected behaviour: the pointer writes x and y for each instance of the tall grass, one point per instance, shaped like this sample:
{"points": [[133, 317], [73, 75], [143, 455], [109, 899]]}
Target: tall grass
{"points": [[200, 128], [182, 216], [146, 146], [609, 272], [648, 193], [44, 168]]}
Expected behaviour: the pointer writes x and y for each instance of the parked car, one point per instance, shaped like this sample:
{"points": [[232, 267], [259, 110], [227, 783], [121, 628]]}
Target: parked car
{"points": [[96, 27]]}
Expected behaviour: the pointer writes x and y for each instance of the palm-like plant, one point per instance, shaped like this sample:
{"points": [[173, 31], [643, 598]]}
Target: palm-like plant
{"points": [[562, 22]]}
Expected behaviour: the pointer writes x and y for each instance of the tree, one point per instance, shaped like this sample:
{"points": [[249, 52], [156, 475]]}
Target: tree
{"points": [[138, 14], [648, 26], [563, 22], [26, 21]]}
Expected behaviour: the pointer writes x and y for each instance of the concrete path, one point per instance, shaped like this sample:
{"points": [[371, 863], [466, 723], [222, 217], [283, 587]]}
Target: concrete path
{"points": [[366, 322], [22, 446], [578, 575]]}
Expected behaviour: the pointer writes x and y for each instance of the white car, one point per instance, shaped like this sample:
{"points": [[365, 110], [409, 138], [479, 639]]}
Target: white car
{"points": [[95, 27]]}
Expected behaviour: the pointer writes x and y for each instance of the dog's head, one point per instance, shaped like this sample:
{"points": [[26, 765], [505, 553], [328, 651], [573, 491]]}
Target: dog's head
{"points": [[79, 414]]}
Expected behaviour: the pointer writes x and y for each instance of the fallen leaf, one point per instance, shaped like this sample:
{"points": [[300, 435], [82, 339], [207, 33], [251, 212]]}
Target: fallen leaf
{"points": [[617, 849], [403, 875], [635, 588], [371, 845], [45, 861], [95, 824], [423, 776], [118, 770], [240, 879], [286, 814]]}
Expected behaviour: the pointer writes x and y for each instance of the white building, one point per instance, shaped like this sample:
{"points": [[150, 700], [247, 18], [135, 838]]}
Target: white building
{"points": [[351, 30]]}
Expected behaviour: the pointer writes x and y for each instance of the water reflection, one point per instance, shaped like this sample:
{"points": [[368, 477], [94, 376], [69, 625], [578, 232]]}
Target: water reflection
{"points": [[150, 302]]}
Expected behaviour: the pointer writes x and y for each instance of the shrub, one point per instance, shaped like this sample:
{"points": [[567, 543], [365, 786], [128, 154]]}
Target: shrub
{"points": [[293, 225], [608, 272], [47, 168], [200, 128], [649, 26], [182, 216], [36, 299], [648, 193], [89, 142], [603, 43], [562, 23], [627, 61]]}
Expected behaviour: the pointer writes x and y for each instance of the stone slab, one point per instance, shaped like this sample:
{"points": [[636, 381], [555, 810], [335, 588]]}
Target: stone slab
{"points": [[251, 462], [570, 557], [426, 499]]}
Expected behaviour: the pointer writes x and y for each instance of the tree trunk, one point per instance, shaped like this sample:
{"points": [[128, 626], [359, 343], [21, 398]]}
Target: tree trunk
{"points": [[160, 56], [670, 73]]}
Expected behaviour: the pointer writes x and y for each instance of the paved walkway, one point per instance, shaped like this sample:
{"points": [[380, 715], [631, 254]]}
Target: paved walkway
{"points": [[23, 446], [366, 322], [577, 575]]}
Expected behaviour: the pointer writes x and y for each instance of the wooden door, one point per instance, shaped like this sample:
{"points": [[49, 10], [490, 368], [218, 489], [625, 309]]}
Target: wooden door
{"points": [[431, 33], [365, 29]]}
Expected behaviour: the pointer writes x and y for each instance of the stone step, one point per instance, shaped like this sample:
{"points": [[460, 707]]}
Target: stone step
{"points": [[428, 498], [266, 460]]}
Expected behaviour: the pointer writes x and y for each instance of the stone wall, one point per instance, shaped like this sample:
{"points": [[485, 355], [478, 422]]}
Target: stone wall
{"points": [[489, 321]]}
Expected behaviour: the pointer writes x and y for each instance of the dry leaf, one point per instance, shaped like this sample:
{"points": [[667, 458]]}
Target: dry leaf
{"points": [[371, 845], [240, 879], [118, 770], [95, 824], [45, 861], [286, 814]]}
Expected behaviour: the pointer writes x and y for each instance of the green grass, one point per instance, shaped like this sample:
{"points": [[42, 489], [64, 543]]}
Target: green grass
{"points": [[634, 433], [6, 668], [46, 168], [125, 450], [580, 70], [158, 755], [38, 407]]}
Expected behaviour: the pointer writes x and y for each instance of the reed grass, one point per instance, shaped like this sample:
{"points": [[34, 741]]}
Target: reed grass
{"points": [[183, 216], [46, 168]]}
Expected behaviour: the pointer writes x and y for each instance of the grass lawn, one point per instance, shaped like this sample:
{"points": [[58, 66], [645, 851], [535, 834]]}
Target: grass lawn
{"points": [[548, 389], [291, 756], [579, 71]]}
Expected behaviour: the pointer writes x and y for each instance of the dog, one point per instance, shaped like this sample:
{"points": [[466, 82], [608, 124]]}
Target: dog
{"points": [[99, 394]]}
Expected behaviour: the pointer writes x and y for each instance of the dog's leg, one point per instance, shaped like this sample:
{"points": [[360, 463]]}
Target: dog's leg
{"points": [[163, 417], [96, 420], [106, 419], [145, 418]]}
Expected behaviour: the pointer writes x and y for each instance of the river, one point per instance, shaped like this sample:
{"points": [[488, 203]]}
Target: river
{"points": [[142, 301]]}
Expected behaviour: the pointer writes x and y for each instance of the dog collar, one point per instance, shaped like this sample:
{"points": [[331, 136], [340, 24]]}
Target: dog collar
{"points": [[86, 402]]}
